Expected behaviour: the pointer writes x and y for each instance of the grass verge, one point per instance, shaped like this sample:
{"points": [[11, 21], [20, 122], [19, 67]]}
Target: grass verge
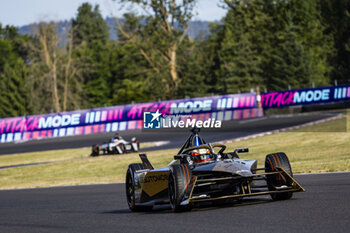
{"points": [[51, 155], [308, 152]]}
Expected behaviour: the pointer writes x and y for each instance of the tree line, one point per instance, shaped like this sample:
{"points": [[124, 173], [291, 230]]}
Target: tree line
{"points": [[270, 44]]}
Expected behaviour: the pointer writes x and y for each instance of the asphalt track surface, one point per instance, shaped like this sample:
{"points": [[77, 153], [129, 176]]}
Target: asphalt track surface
{"points": [[229, 130], [324, 207]]}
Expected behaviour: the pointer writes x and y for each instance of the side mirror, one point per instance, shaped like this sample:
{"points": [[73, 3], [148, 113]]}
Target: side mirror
{"points": [[242, 150], [239, 150], [182, 157], [177, 157]]}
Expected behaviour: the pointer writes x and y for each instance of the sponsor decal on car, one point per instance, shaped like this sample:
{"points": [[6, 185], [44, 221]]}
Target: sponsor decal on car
{"points": [[155, 182]]}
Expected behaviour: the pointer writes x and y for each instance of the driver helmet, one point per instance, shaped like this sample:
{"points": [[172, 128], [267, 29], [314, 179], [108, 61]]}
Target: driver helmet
{"points": [[117, 136], [201, 155]]}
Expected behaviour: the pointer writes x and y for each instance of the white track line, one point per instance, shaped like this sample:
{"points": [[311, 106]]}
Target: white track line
{"points": [[321, 173], [160, 143]]}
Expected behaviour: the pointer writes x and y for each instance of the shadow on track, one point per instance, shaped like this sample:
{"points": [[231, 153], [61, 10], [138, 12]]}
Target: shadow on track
{"points": [[205, 206]]}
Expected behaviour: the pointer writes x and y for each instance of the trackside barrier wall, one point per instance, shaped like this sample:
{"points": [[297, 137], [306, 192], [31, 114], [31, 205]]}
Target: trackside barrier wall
{"points": [[126, 117], [305, 96]]}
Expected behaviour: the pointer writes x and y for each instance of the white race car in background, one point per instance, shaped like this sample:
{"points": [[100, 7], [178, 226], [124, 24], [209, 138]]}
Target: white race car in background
{"points": [[116, 145]]}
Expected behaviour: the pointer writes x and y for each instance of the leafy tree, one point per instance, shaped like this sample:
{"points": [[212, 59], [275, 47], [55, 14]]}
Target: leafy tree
{"points": [[91, 47], [336, 18], [13, 99], [159, 38], [194, 69], [290, 62], [306, 15], [89, 26], [53, 72], [264, 42], [129, 75], [242, 42], [210, 48]]}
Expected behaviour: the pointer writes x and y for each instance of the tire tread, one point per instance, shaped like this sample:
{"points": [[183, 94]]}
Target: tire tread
{"points": [[132, 168], [280, 160], [181, 173]]}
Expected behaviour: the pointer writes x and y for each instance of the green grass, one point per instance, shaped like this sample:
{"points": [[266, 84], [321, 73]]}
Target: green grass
{"points": [[51, 155], [307, 151], [44, 156]]}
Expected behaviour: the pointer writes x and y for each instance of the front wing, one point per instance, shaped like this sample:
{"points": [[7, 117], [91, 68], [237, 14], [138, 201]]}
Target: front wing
{"points": [[246, 188]]}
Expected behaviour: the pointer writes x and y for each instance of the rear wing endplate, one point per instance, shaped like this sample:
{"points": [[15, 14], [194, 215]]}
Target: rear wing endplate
{"points": [[145, 162]]}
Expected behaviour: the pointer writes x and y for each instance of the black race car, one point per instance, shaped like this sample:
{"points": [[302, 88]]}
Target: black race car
{"points": [[116, 145], [202, 172]]}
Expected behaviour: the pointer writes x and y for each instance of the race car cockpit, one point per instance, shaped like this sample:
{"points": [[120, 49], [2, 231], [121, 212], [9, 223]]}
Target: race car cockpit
{"points": [[197, 149], [193, 140]]}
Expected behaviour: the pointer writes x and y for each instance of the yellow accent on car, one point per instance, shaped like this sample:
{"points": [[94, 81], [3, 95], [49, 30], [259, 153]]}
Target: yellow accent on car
{"points": [[155, 182]]}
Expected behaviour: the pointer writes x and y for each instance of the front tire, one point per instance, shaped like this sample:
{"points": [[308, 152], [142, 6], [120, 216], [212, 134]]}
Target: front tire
{"points": [[130, 188], [179, 177], [277, 180], [138, 147], [133, 142], [121, 147]]}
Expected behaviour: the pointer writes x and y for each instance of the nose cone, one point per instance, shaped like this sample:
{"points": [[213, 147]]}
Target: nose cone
{"points": [[227, 166]]}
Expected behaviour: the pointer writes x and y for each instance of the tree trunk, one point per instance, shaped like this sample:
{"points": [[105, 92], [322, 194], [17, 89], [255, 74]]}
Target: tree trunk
{"points": [[65, 94], [67, 74], [173, 64], [49, 42], [55, 99]]}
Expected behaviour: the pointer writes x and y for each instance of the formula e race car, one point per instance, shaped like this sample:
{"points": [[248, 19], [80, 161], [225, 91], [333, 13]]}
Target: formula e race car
{"points": [[203, 172], [116, 145]]}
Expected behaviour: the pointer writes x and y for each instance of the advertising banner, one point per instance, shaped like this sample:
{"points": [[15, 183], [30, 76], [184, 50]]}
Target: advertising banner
{"points": [[305, 96], [125, 117]]}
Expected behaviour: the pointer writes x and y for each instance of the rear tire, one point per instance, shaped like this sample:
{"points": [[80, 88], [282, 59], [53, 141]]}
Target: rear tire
{"points": [[271, 162], [95, 150], [179, 177], [130, 188]]}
